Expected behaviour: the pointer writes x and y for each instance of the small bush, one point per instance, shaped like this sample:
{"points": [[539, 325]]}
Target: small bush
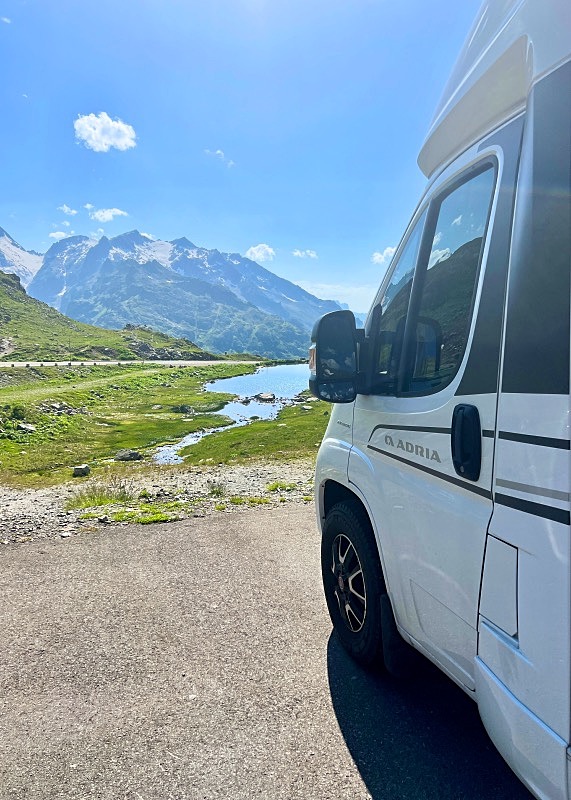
{"points": [[280, 486], [18, 412], [117, 490], [216, 489]]}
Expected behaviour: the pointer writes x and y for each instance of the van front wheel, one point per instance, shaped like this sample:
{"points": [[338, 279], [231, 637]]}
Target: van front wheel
{"points": [[353, 582]]}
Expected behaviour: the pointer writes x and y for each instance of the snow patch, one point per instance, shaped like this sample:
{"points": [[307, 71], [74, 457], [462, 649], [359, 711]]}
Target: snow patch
{"points": [[18, 261], [142, 253]]}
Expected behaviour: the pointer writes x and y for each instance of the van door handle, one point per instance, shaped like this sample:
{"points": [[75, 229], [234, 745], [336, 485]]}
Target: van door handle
{"points": [[467, 442]]}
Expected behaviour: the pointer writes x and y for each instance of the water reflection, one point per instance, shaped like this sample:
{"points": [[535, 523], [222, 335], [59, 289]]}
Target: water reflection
{"points": [[285, 382]]}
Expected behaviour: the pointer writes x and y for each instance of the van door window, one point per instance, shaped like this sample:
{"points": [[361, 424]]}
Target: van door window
{"points": [[392, 310], [438, 331]]}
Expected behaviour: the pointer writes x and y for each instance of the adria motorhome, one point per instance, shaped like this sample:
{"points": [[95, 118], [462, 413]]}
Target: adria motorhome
{"points": [[443, 481]]}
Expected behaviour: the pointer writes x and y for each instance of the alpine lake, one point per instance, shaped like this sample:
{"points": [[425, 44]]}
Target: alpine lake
{"points": [[279, 386]]}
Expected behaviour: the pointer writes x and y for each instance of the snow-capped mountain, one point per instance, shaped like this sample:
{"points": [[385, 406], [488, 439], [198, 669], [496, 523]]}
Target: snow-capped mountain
{"points": [[249, 281], [222, 301], [74, 260], [14, 259]]}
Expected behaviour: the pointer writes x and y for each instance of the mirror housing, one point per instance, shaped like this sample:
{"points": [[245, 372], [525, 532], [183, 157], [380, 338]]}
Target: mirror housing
{"points": [[428, 345], [333, 358]]}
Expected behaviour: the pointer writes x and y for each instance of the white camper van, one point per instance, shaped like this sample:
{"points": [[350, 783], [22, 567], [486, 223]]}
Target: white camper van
{"points": [[443, 482]]}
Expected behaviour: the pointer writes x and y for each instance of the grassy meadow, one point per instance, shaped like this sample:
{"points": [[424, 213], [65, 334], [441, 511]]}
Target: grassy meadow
{"points": [[52, 418], [296, 433], [36, 332]]}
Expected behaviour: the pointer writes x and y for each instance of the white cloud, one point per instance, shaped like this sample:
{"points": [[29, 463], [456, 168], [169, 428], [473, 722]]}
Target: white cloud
{"points": [[58, 235], [66, 223], [222, 156], [439, 255], [89, 206], [107, 214], [384, 257], [6, 20], [457, 221], [71, 212], [437, 238], [261, 252], [149, 236], [101, 133], [304, 254], [96, 234], [358, 298]]}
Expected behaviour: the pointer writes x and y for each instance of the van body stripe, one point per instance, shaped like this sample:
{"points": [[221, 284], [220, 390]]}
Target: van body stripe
{"points": [[448, 478], [537, 509], [540, 441], [421, 429], [417, 428], [540, 491]]}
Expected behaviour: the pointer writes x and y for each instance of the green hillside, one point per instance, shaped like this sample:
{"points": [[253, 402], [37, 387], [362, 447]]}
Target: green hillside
{"points": [[33, 331]]}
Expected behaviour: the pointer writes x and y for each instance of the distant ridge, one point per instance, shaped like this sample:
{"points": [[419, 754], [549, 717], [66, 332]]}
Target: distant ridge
{"points": [[33, 331], [221, 301]]}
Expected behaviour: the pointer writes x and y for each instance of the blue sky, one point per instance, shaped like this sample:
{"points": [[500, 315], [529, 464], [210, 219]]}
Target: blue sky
{"points": [[293, 124]]}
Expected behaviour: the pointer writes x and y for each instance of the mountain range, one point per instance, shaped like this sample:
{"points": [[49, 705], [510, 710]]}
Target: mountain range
{"points": [[222, 301]]}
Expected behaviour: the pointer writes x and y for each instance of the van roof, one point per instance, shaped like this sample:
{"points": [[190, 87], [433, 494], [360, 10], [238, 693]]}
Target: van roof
{"points": [[512, 43]]}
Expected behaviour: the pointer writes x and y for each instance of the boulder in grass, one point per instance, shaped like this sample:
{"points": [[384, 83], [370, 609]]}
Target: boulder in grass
{"points": [[266, 397], [128, 455], [26, 427], [81, 470]]}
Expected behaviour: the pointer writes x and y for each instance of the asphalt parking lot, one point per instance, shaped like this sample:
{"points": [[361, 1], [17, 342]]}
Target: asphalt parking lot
{"points": [[195, 660]]}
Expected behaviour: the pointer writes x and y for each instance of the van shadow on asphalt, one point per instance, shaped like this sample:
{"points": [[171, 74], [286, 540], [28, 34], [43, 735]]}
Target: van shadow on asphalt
{"points": [[422, 739]]}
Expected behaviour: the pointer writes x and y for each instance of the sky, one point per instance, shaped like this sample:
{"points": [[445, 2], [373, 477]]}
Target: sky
{"points": [[285, 130]]}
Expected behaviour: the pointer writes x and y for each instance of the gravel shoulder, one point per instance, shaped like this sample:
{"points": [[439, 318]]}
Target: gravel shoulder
{"points": [[31, 514]]}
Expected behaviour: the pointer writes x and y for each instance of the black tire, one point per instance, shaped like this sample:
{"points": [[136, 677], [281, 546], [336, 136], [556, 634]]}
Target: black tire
{"points": [[353, 582]]}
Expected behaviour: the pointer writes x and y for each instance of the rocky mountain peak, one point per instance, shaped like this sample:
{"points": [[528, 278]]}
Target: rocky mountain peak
{"points": [[184, 244], [16, 260]]}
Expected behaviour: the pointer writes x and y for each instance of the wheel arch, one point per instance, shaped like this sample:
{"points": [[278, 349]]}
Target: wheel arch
{"points": [[333, 492]]}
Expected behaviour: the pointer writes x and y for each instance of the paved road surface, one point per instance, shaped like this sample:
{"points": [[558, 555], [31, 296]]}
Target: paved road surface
{"points": [[194, 660]]}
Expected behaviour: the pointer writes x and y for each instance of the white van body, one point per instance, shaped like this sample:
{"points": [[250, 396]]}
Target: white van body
{"points": [[477, 569]]}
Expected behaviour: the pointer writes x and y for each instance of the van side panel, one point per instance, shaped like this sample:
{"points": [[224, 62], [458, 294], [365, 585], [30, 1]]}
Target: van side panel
{"points": [[524, 680], [532, 750]]}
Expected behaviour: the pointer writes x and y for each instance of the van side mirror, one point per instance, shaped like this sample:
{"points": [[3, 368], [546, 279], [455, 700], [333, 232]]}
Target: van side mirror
{"points": [[428, 345], [333, 358]]}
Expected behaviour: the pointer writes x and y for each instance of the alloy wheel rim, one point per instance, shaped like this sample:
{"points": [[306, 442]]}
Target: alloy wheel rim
{"points": [[349, 583]]}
